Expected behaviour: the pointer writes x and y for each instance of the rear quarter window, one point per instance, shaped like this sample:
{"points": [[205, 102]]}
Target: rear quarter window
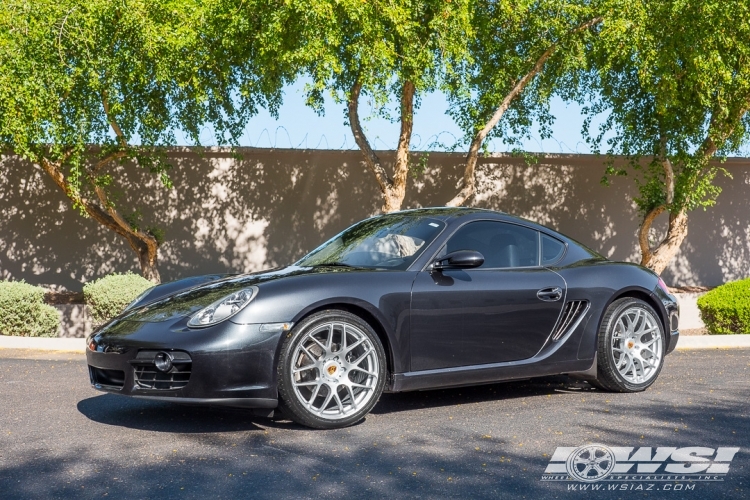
{"points": [[552, 250]]}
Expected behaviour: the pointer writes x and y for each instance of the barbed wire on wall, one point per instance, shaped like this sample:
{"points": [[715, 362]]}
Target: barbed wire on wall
{"points": [[433, 143]]}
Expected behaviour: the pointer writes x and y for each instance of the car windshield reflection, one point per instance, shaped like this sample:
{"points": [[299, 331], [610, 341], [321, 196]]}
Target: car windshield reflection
{"points": [[388, 241]]}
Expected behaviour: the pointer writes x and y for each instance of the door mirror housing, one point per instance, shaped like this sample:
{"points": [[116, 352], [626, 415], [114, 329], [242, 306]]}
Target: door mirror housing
{"points": [[460, 259]]}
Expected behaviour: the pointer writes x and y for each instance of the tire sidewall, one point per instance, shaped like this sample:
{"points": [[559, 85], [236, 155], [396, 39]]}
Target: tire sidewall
{"points": [[606, 332], [288, 400]]}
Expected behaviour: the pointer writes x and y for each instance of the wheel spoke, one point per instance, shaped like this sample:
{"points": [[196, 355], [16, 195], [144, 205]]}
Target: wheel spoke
{"points": [[309, 354], [338, 400], [362, 357], [327, 400], [306, 384], [314, 395], [329, 340], [354, 345], [351, 395], [322, 346], [303, 368], [372, 374]]}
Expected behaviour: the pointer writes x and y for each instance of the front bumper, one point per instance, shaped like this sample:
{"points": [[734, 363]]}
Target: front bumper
{"points": [[670, 316], [227, 364]]}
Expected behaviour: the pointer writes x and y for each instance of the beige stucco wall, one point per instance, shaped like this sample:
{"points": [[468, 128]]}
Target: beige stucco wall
{"points": [[272, 206]]}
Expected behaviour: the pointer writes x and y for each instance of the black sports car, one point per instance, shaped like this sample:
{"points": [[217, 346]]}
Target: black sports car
{"points": [[418, 299]]}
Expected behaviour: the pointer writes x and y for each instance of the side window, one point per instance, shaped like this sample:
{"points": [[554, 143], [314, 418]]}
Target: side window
{"points": [[501, 244], [552, 249]]}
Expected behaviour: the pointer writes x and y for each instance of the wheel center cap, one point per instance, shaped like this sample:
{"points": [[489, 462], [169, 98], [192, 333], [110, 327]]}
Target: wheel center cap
{"points": [[630, 344], [333, 370]]}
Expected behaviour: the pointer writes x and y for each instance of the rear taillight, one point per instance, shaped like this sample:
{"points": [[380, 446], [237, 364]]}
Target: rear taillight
{"points": [[664, 286]]}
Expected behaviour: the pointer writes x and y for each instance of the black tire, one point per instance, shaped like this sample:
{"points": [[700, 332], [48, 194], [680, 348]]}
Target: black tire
{"points": [[608, 376], [290, 400]]}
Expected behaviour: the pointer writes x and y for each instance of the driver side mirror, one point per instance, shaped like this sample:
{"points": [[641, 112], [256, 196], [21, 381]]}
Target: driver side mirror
{"points": [[460, 259]]}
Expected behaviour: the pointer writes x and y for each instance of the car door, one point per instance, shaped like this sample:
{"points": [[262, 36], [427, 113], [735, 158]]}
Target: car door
{"points": [[501, 311]]}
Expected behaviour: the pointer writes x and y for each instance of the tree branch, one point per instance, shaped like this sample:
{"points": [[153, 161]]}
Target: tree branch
{"points": [[371, 159], [471, 157], [645, 228], [54, 171], [112, 122]]}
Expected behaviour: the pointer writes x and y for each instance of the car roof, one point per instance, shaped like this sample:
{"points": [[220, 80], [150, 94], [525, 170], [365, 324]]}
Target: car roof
{"points": [[445, 213], [448, 214]]}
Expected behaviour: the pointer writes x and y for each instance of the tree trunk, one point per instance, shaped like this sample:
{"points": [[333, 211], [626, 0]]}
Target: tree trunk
{"points": [[468, 186], [392, 190], [148, 254], [658, 258]]}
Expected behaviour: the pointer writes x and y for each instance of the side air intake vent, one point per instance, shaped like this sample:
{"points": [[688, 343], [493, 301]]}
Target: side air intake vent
{"points": [[573, 311]]}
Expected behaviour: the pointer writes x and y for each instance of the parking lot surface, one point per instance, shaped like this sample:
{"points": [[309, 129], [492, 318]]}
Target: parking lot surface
{"points": [[61, 439]]}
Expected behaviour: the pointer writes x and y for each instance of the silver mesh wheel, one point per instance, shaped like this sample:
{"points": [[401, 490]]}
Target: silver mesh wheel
{"points": [[637, 345], [334, 370]]}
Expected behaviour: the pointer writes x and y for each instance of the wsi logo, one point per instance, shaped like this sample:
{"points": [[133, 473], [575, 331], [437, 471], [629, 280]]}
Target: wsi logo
{"points": [[597, 462]]}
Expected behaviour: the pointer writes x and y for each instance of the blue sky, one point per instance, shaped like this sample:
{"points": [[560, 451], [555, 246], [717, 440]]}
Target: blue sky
{"points": [[298, 126]]}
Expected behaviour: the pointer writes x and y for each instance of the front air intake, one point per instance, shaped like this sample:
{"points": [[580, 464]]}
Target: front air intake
{"points": [[150, 372], [572, 312]]}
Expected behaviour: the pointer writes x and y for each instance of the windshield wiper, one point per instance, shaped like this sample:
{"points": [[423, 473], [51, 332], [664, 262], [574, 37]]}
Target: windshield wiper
{"points": [[334, 264]]}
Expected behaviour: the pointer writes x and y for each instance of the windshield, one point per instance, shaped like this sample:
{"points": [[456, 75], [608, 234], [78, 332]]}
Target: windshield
{"points": [[388, 241]]}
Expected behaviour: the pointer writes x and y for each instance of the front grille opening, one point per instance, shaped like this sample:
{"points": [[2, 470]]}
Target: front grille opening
{"points": [[573, 310], [147, 376], [114, 379]]}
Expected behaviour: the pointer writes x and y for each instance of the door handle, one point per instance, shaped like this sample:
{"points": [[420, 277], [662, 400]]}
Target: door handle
{"points": [[550, 294]]}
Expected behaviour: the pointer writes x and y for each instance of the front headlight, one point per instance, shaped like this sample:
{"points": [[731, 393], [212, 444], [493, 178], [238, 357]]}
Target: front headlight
{"points": [[224, 308]]}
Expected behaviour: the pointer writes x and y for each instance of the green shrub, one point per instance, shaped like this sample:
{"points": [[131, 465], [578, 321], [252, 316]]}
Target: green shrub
{"points": [[108, 296], [726, 309], [24, 313]]}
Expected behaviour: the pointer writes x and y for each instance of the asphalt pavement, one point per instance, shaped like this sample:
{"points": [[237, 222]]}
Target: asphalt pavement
{"points": [[61, 439]]}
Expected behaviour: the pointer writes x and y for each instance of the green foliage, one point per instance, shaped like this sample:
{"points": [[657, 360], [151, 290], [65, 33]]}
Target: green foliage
{"points": [[508, 38], [417, 168], [726, 309], [673, 79], [379, 43], [108, 296], [24, 313], [126, 75]]}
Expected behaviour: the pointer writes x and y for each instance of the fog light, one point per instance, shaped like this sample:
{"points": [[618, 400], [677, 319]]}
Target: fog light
{"points": [[163, 361]]}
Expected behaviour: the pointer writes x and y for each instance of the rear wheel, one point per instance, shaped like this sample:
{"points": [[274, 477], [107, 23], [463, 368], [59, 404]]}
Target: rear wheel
{"points": [[630, 351], [331, 370]]}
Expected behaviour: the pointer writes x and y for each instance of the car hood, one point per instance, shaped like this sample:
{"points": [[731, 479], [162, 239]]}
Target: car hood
{"points": [[188, 301]]}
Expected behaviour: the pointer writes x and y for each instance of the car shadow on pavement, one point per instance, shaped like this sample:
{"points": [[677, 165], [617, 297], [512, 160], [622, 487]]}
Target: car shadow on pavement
{"points": [[157, 416], [408, 401]]}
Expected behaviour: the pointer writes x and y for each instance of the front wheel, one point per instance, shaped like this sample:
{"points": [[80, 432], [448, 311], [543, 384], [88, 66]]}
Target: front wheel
{"points": [[331, 370], [630, 352]]}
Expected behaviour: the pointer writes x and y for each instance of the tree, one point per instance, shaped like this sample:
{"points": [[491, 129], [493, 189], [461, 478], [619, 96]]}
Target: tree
{"points": [[674, 78], [123, 75], [384, 50], [520, 54]]}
